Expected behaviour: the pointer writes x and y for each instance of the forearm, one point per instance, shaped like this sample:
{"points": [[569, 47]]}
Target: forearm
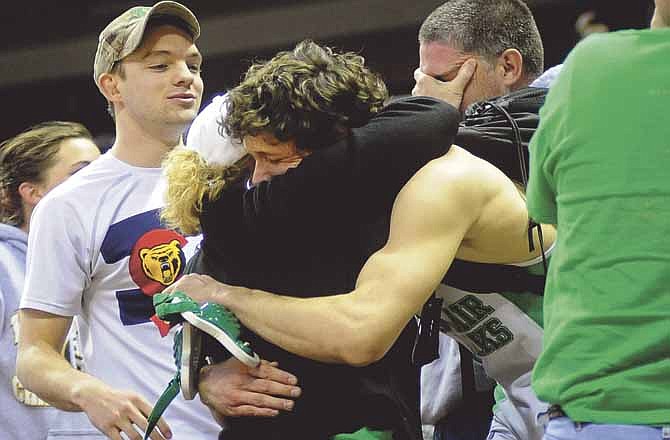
{"points": [[47, 373], [327, 329], [42, 369]]}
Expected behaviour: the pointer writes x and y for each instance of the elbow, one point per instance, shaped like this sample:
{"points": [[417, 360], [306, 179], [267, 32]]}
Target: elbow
{"points": [[362, 347], [23, 369], [361, 357], [363, 333], [30, 365]]}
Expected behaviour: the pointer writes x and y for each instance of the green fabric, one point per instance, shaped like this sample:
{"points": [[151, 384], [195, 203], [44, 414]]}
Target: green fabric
{"points": [[499, 397], [599, 170], [365, 434], [529, 303]]}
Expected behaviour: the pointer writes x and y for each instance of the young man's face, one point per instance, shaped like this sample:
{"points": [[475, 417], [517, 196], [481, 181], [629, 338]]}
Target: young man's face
{"points": [[442, 61], [271, 156], [161, 80]]}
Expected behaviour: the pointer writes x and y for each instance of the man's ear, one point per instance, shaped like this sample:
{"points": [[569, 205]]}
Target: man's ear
{"points": [[109, 86], [30, 193], [510, 65]]}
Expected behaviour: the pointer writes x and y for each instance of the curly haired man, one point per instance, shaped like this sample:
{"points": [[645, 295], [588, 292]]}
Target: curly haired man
{"points": [[329, 157]]}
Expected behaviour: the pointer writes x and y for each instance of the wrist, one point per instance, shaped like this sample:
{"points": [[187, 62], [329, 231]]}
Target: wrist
{"points": [[85, 390], [229, 296]]}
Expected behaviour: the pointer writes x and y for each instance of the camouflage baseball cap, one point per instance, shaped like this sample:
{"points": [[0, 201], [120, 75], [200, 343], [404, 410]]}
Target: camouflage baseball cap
{"points": [[124, 34]]}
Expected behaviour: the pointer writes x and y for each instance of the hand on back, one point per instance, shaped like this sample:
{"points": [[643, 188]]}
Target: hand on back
{"points": [[232, 389]]}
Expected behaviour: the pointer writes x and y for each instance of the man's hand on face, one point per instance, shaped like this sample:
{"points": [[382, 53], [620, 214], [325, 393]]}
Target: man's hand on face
{"points": [[231, 389], [449, 91]]}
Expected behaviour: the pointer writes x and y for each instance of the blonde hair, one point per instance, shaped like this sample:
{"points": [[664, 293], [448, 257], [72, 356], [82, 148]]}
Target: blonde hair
{"points": [[191, 181]]}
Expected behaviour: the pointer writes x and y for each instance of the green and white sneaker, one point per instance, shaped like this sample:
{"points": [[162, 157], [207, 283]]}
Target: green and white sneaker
{"points": [[221, 324], [210, 321], [202, 326], [191, 360]]}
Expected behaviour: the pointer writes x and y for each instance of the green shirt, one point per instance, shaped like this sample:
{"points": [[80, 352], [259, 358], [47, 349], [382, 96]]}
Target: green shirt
{"points": [[600, 171]]}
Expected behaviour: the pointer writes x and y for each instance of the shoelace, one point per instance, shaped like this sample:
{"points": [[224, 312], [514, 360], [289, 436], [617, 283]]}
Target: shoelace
{"points": [[170, 391], [169, 307]]}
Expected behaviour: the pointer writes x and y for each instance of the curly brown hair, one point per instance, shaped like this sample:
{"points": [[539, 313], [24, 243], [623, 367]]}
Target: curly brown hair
{"points": [[26, 158], [311, 94]]}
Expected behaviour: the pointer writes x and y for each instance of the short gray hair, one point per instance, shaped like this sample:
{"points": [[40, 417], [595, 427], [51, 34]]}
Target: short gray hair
{"points": [[487, 28]]}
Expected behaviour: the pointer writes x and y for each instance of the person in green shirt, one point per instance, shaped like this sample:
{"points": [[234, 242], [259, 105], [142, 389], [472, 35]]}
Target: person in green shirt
{"points": [[599, 172]]}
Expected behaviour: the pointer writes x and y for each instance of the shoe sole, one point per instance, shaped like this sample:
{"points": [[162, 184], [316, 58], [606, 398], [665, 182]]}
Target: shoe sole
{"points": [[192, 360], [223, 338]]}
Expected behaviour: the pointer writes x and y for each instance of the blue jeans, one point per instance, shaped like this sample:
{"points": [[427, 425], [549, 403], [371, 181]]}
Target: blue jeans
{"points": [[562, 428]]}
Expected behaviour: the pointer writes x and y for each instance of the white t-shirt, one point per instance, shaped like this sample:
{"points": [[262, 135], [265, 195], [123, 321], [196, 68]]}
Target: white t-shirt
{"points": [[97, 249]]}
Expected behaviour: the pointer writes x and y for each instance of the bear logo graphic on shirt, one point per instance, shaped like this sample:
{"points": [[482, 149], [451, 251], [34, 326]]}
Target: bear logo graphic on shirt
{"points": [[156, 260], [162, 262]]}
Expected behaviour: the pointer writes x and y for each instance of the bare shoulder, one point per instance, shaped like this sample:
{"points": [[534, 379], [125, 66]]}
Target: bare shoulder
{"points": [[459, 174], [451, 191]]}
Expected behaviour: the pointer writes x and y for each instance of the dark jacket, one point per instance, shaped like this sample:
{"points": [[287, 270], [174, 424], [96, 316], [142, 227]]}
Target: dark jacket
{"points": [[487, 133]]}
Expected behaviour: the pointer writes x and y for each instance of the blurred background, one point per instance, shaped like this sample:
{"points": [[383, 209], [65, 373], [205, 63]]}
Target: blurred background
{"points": [[47, 49]]}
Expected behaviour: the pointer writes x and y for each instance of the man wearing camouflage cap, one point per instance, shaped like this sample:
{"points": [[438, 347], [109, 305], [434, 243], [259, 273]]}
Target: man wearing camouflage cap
{"points": [[98, 249]]}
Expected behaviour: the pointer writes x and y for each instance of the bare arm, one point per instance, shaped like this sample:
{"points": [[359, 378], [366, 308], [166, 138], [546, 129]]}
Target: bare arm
{"points": [[40, 366], [430, 218], [42, 369]]}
